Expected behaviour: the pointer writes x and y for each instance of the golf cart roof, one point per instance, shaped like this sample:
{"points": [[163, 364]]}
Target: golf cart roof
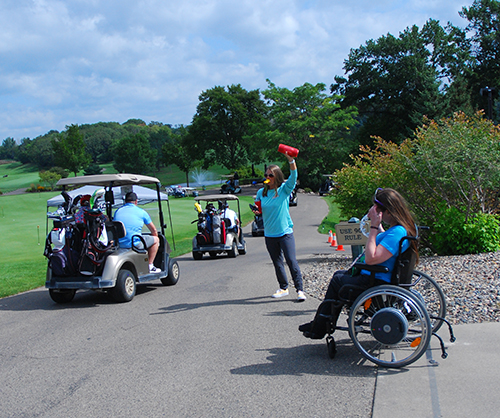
{"points": [[216, 197], [108, 179], [144, 195]]}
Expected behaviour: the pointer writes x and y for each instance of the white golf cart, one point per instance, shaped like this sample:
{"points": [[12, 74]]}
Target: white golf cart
{"points": [[87, 254], [215, 234]]}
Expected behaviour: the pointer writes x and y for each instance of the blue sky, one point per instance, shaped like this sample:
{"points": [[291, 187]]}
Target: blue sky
{"points": [[86, 61]]}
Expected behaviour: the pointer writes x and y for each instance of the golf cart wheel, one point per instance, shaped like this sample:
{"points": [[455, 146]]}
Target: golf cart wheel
{"points": [[197, 255], [62, 296], [233, 252], [125, 287], [173, 273], [243, 250]]}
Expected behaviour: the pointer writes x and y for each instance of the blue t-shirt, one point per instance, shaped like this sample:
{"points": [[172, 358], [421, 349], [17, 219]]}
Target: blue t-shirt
{"points": [[390, 240], [133, 217], [275, 209]]}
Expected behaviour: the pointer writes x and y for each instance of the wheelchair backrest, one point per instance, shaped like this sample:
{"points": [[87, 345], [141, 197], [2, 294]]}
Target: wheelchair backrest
{"points": [[405, 263]]}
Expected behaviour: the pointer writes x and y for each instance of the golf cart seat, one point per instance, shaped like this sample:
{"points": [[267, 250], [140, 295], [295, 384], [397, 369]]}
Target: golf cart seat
{"points": [[115, 230]]}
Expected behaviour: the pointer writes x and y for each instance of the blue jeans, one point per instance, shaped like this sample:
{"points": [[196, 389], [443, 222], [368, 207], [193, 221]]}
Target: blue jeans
{"points": [[285, 245]]}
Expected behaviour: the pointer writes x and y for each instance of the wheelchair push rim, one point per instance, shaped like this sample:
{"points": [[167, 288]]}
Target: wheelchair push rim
{"points": [[389, 326], [433, 297]]}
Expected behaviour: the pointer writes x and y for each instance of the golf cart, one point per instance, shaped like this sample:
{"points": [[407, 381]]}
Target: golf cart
{"points": [[327, 186], [215, 234], [293, 196], [231, 185], [258, 223], [83, 247]]}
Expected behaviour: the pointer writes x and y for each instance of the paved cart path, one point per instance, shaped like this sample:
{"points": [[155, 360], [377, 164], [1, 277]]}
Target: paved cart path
{"points": [[217, 345]]}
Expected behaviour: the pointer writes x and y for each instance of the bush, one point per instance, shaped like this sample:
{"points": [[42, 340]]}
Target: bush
{"points": [[246, 173], [449, 174], [453, 234], [92, 168]]}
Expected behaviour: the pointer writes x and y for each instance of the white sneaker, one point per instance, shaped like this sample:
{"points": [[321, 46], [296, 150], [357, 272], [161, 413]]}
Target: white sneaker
{"points": [[153, 269], [301, 296], [280, 293]]}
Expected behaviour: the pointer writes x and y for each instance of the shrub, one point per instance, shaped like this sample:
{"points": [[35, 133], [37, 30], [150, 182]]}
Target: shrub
{"points": [[454, 234], [449, 174]]}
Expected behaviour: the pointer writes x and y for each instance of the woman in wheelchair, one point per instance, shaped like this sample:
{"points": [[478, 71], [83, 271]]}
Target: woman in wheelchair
{"points": [[382, 248]]}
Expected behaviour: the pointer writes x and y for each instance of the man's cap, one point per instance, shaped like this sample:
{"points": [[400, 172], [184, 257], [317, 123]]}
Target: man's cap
{"points": [[130, 197]]}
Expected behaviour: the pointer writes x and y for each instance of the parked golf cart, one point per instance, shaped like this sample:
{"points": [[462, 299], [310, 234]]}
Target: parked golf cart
{"points": [[214, 235], [327, 186], [87, 255]]}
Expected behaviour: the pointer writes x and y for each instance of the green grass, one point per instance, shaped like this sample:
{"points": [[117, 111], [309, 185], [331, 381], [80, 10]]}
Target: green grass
{"points": [[18, 176], [332, 219]]}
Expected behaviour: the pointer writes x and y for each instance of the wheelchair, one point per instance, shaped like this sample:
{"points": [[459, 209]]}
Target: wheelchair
{"points": [[390, 324]]}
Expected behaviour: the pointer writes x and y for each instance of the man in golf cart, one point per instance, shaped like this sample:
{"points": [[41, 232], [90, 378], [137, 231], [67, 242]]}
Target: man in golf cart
{"points": [[134, 217], [227, 213]]}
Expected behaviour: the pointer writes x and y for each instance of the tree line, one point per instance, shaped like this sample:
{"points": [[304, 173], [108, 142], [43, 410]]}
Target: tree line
{"points": [[390, 85]]}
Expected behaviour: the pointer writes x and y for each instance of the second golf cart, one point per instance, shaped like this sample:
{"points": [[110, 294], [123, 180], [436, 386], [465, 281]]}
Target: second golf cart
{"points": [[219, 227]]}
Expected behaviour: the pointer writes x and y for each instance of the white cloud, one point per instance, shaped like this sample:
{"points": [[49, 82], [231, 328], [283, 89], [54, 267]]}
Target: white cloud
{"points": [[85, 61]]}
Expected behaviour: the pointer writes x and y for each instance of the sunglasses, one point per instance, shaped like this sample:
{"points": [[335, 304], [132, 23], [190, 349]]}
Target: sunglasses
{"points": [[378, 202], [269, 175]]}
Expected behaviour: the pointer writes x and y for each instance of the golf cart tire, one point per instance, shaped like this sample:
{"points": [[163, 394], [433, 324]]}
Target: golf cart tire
{"points": [[125, 287], [243, 250], [62, 296], [197, 255], [233, 252], [173, 273]]}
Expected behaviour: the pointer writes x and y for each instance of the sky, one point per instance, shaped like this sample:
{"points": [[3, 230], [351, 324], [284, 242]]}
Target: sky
{"points": [[66, 62]]}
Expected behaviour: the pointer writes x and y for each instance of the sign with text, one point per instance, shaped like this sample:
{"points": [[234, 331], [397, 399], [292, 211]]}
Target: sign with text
{"points": [[349, 234]]}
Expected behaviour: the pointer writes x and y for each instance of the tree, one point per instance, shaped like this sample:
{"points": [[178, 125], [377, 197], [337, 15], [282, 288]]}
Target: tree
{"points": [[40, 150], [49, 177], [159, 136], [133, 154], [69, 150], [224, 124], [99, 138], [395, 81], [8, 150], [177, 151], [310, 120], [484, 30]]}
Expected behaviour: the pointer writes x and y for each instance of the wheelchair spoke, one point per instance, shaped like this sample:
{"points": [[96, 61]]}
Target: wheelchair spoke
{"points": [[393, 330]]}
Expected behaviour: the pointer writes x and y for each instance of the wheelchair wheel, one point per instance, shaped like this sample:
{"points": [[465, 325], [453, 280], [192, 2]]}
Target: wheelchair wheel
{"points": [[433, 296], [389, 326]]}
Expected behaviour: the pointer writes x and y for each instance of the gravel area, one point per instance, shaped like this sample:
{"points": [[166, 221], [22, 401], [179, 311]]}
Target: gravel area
{"points": [[471, 283]]}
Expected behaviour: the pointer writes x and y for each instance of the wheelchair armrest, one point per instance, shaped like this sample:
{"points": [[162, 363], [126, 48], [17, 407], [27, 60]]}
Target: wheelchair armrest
{"points": [[373, 268]]}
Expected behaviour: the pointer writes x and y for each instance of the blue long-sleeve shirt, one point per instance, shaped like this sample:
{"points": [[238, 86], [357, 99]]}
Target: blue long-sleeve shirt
{"points": [[275, 209]]}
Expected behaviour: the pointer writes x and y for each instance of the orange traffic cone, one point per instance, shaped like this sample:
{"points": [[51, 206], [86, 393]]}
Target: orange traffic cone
{"points": [[330, 237], [334, 241], [340, 248]]}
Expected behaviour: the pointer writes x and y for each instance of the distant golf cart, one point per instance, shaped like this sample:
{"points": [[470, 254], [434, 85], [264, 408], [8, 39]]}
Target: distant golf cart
{"points": [[293, 197], [327, 186], [87, 255], [214, 233], [231, 184], [258, 223]]}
